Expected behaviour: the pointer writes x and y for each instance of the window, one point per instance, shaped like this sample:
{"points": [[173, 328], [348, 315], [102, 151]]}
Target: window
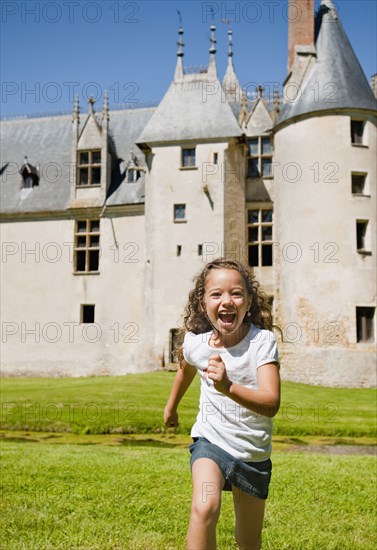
{"points": [[259, 238], [365, 324], [260, 158], [358, 184], [188, 158], [87, 313], [362, 235], [86, 246], [29, 175], [132, 175], [133, 171], [174, 343], [179, 212], [357, 132], [179, 249], [89, 167], [215, 158], [200, 249]]}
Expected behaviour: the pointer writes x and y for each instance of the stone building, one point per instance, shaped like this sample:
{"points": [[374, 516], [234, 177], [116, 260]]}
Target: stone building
{"points": [[110, 215]]}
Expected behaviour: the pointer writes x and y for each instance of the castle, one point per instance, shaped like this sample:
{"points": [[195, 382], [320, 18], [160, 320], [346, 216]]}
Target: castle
{"points": [[110, 215]]}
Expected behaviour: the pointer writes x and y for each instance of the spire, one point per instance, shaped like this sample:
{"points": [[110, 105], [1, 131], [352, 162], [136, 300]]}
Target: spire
{"points": [[231, 86], [276, 102], [105, 110], [178, 75], [212, 72], [259, 89], [91, 102], [76, 110]]}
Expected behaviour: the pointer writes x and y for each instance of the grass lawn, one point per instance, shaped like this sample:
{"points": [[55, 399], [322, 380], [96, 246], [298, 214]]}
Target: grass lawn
{"points": [[134, 404], [87, 464], [138, 497]]}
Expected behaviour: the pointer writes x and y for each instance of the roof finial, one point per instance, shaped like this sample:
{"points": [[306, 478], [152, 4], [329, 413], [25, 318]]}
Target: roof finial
{"points": [[259, 89], [76, 109], [230, 43], [179, 68], [212, 51], [213, 40], [105, 111], [91, 102], [230, 85], [276, 101]]}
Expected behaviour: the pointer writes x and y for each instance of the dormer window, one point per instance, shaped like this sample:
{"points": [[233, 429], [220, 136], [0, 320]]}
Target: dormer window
{"points": [[29, 175], [132, 175], [89, 167], [133, 171]]}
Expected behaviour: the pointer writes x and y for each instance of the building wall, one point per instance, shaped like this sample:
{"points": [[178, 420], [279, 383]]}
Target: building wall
{"points": [[169, 276], [320, 276], [41, 298]]}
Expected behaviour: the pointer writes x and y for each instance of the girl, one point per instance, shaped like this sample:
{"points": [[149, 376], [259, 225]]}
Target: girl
{"points": [[236, 357]]}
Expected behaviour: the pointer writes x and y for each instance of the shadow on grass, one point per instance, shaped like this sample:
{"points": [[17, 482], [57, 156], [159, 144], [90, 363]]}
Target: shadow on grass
{"points": [[130, 442], [22, 440]]}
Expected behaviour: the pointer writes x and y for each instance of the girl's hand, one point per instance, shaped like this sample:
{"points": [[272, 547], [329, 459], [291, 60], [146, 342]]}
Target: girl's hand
{"points": [[170, 418], [216, 371]]}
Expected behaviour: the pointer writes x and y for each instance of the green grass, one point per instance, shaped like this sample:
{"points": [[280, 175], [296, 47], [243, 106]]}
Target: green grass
{"points": [[135, 498], [67, 483], [134, 404]]}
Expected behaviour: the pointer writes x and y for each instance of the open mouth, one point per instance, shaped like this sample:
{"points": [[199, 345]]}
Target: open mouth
{"points": [[227, 318]]}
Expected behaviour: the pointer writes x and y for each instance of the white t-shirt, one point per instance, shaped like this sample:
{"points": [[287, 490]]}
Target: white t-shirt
{"points": [[242, 433]]}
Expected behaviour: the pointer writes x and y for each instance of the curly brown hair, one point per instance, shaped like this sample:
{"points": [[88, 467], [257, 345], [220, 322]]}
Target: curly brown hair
{"points": [[195, 319]]}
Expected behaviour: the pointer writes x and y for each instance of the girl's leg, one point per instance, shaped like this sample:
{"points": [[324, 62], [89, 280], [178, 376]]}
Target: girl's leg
{"points": [[249, 512], [207, 481]]}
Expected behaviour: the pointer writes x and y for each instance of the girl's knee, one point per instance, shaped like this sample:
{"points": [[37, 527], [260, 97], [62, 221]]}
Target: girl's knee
{"points": [[206, 507]]}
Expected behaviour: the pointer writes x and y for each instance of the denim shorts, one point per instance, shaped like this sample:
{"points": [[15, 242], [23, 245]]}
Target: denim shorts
{"points": [[251, 477]]}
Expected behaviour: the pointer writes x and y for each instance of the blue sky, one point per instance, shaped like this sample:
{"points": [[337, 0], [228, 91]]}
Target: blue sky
{"points": [[52, 50]]}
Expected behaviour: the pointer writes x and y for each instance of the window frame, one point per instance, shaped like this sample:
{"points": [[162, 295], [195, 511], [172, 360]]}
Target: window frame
{"points": [[89, 166], [365, 249], [179, 220], [82, 306], [364, 192], [88, 247], [364, 328], [190, 166], [260, 243], [362, 142], [259, 157]]}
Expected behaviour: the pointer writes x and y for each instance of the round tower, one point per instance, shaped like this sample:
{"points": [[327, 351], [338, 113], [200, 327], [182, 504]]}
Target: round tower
{"points": [[325, 212]]}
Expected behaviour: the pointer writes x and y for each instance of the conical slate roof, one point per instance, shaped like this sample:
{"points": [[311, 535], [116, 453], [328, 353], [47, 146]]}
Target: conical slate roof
{"points": [[193, 108], [337, 80]]}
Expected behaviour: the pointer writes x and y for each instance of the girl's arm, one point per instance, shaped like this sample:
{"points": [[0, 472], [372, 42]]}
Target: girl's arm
{"points": [[185, 375], [265, 400]]}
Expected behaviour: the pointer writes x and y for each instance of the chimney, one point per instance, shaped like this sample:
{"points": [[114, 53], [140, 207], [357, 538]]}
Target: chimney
{"points": [[300, 28]]}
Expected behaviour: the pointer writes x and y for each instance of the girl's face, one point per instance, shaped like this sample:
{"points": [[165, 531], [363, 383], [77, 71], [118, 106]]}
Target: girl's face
{"points": [[226, 303]]}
